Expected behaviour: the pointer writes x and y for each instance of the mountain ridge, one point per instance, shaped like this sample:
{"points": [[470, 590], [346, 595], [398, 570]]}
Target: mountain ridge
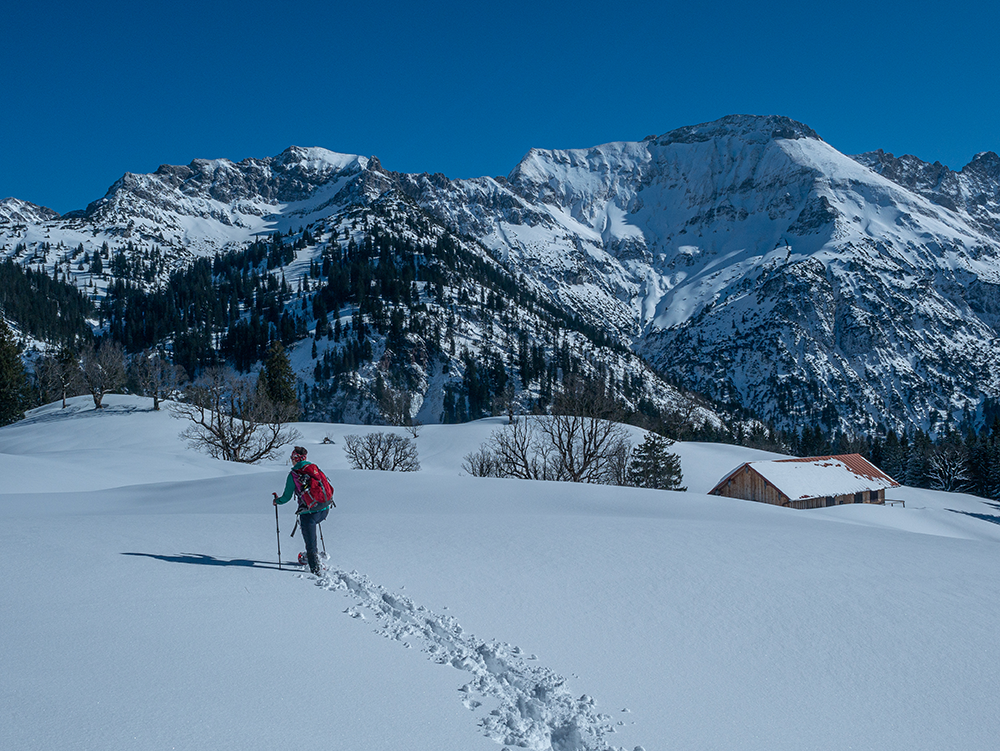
{"points": [[746, 257]]}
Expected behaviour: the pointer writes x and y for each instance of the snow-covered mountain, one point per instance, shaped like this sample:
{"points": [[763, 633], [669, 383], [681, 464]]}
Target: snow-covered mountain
{"points": [[763, 267], [198, 208], [745, 258], [17, 212]]}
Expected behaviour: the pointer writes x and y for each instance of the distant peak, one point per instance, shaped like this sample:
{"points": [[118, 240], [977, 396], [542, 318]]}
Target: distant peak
{"points": [[15, 209], [751, 128], [985, 163], [317, 158]]}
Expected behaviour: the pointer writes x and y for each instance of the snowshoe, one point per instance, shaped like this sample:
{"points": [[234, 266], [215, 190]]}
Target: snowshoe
{"points": [[316, 566], [323, 557]]}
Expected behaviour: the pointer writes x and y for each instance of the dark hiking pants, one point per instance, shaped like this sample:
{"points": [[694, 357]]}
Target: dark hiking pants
{"points": [[309, 523]]}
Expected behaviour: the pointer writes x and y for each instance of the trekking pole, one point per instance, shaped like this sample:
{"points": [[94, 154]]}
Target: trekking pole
{"points": [[321, 536], [277, 532]]}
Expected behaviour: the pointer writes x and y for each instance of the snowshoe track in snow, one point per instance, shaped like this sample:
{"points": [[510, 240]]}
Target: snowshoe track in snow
{"points": [[533, 707]]}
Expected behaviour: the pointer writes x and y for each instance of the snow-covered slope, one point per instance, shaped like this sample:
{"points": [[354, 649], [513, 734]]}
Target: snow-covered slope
{"points": [[764, 267], [972, 191], [746, 257], [144, 608]]}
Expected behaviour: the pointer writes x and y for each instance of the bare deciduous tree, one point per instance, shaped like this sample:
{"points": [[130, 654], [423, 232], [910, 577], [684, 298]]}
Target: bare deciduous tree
{"points": [[505, 403], [103, 368], [583, 446], [59, 376], [519, 451], [585, 432], [155, 376], [481, 463], [949, 470], [558, 447], [619, 461], [233, 420], [386, 451]]}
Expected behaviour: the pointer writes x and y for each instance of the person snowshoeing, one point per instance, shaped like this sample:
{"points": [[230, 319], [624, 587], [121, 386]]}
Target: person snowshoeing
{"points": [[315, 496]]}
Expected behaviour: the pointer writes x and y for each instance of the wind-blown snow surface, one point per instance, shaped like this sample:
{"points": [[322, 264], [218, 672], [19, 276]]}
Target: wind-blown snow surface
{"points": [[142, 607]]}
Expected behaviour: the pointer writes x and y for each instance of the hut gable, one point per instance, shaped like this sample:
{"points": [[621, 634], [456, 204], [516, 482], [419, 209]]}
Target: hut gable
{"points": [[809, 482]]}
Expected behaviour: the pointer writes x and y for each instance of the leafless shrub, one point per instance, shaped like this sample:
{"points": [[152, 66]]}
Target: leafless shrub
{"points": [[481, 463], [233, 420], [385, 451]]}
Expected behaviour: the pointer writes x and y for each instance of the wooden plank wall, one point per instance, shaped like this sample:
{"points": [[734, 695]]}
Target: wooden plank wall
{"points": [[750, 486]]}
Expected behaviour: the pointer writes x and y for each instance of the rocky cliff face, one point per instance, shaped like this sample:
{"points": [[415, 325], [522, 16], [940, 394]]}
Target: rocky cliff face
{"points": [[973, 192], [746, 257]]}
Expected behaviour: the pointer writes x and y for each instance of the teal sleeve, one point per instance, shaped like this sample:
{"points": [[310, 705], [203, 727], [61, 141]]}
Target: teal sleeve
{"points": [[289, 491]]}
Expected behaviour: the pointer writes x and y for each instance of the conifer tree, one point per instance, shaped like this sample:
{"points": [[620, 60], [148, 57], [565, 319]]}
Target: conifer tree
{"points": [[13, 379], [918, 461], [993, 469], [654, 465], [894, 456], [277, 379]]}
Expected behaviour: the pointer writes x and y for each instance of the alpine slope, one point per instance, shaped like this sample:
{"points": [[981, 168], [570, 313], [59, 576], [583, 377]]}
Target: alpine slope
{"points": [[145, 607]]}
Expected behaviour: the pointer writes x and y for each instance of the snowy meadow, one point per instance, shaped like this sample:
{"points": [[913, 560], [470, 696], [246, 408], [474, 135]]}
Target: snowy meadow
{"points": [[144, 608]]}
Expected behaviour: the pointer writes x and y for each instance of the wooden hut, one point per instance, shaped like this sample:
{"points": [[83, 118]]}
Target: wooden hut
{"points": [[813, 482]]}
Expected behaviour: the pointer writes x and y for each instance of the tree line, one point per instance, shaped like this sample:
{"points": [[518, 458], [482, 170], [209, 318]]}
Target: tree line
{"points": [[966, 460], [43, 308]]}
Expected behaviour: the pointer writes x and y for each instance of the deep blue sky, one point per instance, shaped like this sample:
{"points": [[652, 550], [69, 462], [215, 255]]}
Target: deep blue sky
{"points": [[92, 90]]}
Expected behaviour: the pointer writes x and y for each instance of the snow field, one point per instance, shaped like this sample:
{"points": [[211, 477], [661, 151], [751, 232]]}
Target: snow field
{"points": [[533, 708], [144, 609]]}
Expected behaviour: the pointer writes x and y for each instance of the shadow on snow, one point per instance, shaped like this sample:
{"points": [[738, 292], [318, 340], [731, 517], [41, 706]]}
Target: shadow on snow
{"points": [[208, 560], [985, 517]]}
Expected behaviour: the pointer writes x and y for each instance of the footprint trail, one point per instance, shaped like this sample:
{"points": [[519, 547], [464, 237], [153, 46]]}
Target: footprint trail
{"points": [[532, 707]]}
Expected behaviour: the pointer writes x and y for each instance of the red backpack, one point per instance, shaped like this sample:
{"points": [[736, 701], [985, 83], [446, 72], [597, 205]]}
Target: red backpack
{"points": [[312, 488]]}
